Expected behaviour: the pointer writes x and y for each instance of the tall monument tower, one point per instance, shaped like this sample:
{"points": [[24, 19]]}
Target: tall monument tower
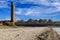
{"points": [[13, 18]]}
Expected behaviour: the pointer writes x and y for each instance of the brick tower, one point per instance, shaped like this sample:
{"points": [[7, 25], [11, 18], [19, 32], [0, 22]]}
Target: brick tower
{"points": [[13, 18]]}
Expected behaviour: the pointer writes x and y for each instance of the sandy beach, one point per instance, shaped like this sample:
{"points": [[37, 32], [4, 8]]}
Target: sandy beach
{"points": [[26, 33]]}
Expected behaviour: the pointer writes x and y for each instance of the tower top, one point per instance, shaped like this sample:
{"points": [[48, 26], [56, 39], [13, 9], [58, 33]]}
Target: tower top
{"points": [[12, 3]]}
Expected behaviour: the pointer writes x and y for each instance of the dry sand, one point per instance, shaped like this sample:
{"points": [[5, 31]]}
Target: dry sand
{"points": [[26, 33]]}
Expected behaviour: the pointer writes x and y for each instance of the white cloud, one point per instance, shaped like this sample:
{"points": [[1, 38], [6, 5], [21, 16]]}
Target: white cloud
{"points": [[7, 18], [37, 11], [57, 5], [32, 12], [28, 13], [43, 2], [18, 11], [4, 4]]}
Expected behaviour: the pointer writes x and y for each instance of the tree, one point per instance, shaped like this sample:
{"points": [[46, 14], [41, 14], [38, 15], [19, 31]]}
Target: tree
{"points": [[21, 21], [30, 20], [40, 20], [36, 21], [44, 21], [49, 21]]}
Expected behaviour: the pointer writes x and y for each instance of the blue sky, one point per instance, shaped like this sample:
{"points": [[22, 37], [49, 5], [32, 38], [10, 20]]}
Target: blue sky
{"points": [[35, 9]]}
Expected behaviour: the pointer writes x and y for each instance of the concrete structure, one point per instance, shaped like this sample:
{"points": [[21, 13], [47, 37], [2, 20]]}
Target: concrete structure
{"points": [[1, 23], [13, 18]]}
